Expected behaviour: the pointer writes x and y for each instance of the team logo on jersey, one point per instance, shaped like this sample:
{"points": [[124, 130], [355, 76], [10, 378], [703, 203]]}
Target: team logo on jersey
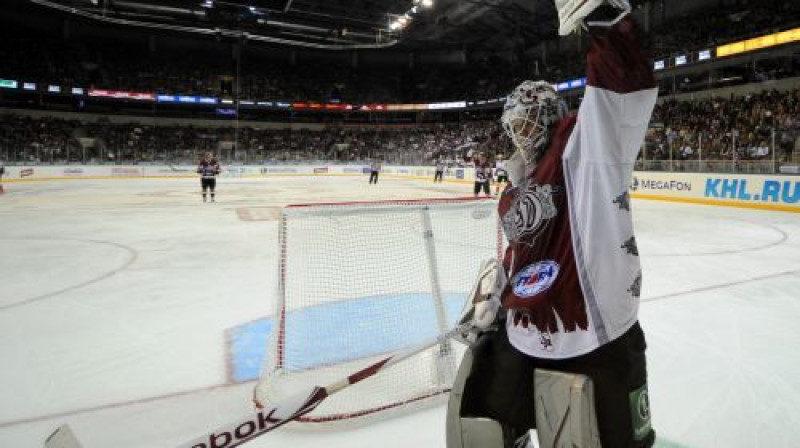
{"points": [[529, 213], [535, 278]]}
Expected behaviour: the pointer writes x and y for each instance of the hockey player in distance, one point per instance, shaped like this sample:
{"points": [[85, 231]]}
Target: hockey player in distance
{"points": [[568, 306], [208, 169], [2, 172], [439, 174], [483, 175], [502, 175], [374, 170]]}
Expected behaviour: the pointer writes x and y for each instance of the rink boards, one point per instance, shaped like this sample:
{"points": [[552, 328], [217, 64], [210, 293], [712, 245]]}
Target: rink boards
{"points": [[768, 192]]}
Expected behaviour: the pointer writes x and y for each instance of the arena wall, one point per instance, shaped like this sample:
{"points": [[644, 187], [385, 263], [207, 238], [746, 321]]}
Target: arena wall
{"points": [[768, 192]]}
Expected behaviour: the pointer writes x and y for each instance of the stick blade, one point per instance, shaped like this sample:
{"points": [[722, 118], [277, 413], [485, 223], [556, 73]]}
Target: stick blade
{"points": [[62, 437]]}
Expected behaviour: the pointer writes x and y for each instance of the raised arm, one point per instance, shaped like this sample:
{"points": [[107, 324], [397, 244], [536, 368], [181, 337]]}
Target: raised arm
{"points": [[621, 90]]}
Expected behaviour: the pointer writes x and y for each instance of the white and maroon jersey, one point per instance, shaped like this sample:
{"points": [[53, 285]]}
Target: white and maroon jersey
{"points": [[483, 171], [440, 167], [375, 167], [575, 275], [208, 169]]}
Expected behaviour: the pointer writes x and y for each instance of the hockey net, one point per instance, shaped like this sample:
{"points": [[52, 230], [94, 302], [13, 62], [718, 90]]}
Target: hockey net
{"points": [[359, 281]]}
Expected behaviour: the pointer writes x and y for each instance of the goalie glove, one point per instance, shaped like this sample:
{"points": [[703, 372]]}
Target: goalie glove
{"points": [[571, 13], [483, 302]]}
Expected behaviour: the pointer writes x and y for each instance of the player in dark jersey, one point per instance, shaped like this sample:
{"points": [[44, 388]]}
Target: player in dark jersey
{"points": [[208, 169], [483, 175], [2, 172], [570, 282]]}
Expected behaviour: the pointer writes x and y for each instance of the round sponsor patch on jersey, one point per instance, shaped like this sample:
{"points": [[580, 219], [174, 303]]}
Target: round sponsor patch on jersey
{"points": [[535, 278]]}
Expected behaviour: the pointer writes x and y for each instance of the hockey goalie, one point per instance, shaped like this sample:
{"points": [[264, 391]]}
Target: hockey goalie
{"points": [[557, 344]]}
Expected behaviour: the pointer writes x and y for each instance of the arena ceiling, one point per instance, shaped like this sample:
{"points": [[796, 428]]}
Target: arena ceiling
{"points": [[335, 24]]}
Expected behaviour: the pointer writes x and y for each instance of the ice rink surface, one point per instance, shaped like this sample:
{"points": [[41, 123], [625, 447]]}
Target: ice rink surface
{"points": [[115, 296]]}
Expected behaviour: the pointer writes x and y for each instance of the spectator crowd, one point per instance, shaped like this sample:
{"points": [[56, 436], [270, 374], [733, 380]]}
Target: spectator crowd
{"points": [[25, 139], [753, 127], [738, 128]]}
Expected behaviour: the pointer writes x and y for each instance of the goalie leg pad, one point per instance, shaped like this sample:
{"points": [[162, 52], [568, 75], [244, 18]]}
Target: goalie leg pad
{"points": [[478, 432], [454, 433], [494, 382], [469, 432], [565, 410]]}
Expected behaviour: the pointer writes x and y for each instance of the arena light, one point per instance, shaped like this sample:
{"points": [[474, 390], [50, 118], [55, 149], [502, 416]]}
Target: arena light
{"points": [[447, 105], [757, 43], [402, 21], [399, 23]]}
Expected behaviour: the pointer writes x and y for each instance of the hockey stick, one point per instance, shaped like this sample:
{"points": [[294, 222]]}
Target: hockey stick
{"points": [[247, 428]]}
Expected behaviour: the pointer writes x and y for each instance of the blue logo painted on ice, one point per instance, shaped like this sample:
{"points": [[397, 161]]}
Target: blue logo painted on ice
{"points": [[535, 278]]}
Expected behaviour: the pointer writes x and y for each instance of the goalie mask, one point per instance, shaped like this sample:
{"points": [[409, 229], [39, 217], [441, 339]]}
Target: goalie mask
{"points": [[530, 112]]}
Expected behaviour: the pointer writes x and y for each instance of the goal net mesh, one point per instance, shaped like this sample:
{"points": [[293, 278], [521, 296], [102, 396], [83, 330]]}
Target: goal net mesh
{"points": [[360, 281]]}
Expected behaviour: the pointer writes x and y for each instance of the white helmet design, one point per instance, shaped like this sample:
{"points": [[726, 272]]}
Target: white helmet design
{"points": [[530, 111]]}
